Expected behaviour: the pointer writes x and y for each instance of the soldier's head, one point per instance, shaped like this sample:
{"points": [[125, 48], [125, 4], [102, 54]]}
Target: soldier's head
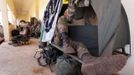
{"points": [[69, 13], [22, 23]]}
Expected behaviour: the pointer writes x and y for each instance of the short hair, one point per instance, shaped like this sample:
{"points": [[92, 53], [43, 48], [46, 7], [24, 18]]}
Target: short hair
{"points": [[22, 21], [32, 19]]}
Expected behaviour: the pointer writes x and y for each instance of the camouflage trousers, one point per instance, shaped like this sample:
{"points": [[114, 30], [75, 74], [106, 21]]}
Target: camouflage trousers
{"points": [[107, 65]]}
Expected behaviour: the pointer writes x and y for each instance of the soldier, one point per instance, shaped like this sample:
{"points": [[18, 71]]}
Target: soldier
{"points": [[107, 65]]}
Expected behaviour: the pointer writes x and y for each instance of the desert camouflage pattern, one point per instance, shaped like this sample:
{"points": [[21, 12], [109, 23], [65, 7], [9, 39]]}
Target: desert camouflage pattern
{"points": [[107, 65]]}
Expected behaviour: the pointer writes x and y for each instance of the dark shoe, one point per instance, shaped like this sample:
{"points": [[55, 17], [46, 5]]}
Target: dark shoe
{"points": [[16, 44], [10, 43]]}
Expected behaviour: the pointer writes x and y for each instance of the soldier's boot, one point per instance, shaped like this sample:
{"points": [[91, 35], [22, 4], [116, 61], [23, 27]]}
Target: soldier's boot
{"points": [[104, 65]]}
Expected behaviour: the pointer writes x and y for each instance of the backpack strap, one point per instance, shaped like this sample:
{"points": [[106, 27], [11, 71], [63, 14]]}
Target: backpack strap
{"points": [[72, 56]]}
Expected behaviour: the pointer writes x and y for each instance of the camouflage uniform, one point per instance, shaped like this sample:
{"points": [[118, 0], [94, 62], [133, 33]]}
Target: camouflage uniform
{"points": [[93, 65], [107, 65], [103, 65]]}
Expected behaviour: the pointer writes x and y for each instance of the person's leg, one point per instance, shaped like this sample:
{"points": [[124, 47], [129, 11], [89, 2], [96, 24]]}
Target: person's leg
{"points": [[104, 65], [62, 29], [15, 39], [18, 40], [99, 65], [68, 47], [24, 39], [81, 49]]}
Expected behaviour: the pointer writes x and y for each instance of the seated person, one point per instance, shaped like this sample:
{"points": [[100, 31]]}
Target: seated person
{"points": [[15, 32], [107, 65], [23, 34], [35, 27], [1, 34], [1, 38]]}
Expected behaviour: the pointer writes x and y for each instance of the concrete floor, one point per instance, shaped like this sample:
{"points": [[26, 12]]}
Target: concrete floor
{"points": [[129, 68], [20, 61]]}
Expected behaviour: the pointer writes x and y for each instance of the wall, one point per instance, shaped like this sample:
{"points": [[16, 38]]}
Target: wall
{"points": [[23, 17], [11, 5], [128, 5], [3, 8], [38, 8], [42, 7], [32, 12]]}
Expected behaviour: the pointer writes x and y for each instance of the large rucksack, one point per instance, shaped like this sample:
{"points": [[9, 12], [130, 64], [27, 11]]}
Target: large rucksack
{"points": [[67, 66]]}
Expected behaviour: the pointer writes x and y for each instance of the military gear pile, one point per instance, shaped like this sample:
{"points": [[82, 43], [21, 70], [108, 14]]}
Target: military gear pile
{"points": [[49, 55]]}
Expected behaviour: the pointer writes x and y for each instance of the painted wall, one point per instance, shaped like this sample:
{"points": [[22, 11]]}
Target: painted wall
{"points": [[3, 8], [13, 11], [42, 7], [32, 12], [23, 17], [38, 8], [129, 6], [12, 7]]}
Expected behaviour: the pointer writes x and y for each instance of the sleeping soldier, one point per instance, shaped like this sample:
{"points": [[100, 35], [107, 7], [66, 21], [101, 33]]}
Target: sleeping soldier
{"points": [[107, 65]]}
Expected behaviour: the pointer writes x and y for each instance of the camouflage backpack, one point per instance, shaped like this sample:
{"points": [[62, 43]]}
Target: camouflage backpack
{"points": [[67, 66]]}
